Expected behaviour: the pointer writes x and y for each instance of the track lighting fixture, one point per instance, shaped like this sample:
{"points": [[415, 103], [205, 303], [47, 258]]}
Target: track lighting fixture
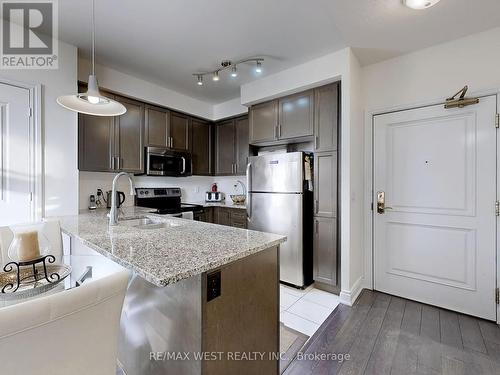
{"points": [[227, 64]]}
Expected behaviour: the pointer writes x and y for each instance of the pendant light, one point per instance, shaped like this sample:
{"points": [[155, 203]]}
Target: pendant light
{"points": [[92, 102]]}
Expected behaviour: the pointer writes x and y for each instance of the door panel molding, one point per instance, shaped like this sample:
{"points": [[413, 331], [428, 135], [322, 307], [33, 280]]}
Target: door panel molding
{"points": [[448, 195], [464, 278]]}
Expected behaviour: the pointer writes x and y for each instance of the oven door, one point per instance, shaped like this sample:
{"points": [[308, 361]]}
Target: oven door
{"points": [[161, 162]]}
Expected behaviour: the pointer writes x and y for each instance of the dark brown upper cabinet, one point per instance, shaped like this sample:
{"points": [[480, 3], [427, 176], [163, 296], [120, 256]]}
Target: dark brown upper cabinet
{"points": [[296, 115], [326, 117], [129, 138], [241, 125], [232, 148], [225, 135], [178, 131], [157, 120], [95, 143], [108, 144], [201, 147], [283, 120], [264, 122]]}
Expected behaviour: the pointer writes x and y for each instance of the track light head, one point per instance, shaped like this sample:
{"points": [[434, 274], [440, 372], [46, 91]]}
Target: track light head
{"points": [[234, 72], [258, 68]]}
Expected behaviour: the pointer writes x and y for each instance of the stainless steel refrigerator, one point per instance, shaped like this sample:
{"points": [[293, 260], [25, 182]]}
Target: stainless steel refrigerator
{"points": [[280, 200]]}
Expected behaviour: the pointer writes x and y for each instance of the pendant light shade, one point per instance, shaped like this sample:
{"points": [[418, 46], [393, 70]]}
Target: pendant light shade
{"points": [[92, 102]]}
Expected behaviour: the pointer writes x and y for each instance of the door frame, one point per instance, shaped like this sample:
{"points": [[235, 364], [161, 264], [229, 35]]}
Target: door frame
{"points": [[36, 176], [368, 212]]}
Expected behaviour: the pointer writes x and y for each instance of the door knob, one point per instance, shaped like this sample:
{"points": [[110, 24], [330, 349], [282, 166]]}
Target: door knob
{"points": [[381, 207]]}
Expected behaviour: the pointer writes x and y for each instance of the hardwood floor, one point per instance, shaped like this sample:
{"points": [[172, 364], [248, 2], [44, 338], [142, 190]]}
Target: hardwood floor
{"points": [[384, 334]]}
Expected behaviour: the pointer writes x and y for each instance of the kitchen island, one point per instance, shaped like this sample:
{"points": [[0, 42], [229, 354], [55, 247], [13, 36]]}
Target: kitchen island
{"points": [[201, 298]]}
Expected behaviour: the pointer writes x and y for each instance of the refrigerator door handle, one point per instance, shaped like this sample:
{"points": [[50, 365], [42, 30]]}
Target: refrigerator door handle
{"points": [[249, 189]]}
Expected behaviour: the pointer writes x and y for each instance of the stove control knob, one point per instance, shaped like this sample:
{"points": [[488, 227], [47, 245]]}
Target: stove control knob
{"points": [[147, 192]]}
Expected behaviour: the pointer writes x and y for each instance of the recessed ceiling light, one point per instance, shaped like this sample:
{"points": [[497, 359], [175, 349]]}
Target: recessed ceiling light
{"points": [[215, 77], [200, 80], [420, 4]]}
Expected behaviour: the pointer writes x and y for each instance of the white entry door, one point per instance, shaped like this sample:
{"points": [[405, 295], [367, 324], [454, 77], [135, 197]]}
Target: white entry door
{"points": [[435, 242], [15, 155]]}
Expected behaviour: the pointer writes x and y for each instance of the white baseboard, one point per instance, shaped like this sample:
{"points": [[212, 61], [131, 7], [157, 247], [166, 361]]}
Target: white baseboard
{"points": [[348, 297]]}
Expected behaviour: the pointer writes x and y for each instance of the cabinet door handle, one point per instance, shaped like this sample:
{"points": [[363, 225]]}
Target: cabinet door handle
{"points": [[316, 206], [276, 131], [279, 130], [171, 142], [316, 226], [316, 141], [112, 162]]}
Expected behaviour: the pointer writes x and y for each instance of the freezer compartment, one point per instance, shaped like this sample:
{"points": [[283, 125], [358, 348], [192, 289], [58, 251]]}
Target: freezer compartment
{"points": [[282, 214], [277, 173]]}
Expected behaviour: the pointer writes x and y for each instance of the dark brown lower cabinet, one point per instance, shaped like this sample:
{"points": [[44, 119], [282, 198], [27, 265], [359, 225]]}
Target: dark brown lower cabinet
{"points": [[232, 217], [325, 251], [207, 216]]}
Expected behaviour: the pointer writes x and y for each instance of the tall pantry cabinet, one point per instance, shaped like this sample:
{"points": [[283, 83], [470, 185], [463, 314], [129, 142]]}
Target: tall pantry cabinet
{"points": [[326, 119]]}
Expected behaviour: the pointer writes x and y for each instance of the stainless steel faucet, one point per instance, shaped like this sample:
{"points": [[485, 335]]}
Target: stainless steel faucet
{"points": [[113, 214]]}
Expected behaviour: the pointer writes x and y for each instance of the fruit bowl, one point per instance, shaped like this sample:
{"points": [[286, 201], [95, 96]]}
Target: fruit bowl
{"points": [[238, 199]]}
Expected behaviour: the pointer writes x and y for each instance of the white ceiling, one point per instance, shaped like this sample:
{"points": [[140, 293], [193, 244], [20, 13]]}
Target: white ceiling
{"points": [[166, 41]]}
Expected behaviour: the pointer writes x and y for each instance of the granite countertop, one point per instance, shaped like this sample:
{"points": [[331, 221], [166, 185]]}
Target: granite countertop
{"points": [[181, 249], [224, 203]]}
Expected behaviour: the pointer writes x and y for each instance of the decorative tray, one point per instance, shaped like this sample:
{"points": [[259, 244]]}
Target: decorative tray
{"points": [[20, 280]]}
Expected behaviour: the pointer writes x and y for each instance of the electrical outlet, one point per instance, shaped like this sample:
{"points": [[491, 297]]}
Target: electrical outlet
{"points": [[213, 285]]}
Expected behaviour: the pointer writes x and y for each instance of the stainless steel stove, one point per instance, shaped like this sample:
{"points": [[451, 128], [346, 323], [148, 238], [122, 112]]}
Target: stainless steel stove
{"points": [[166, 201]]}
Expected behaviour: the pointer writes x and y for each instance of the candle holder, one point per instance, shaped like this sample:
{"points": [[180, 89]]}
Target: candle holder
{"points": [[33, 276]]}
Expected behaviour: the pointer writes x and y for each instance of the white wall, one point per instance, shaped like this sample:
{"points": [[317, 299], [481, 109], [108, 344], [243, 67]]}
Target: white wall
{"points": [[230, 108], [356, 167], [425, 77], [313, 73], [132, 86], [434, 73], [341, 65], [60, 131]]}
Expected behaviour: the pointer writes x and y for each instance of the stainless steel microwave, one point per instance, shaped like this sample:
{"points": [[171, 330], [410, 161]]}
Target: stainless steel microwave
{"points": [[166, 162]]}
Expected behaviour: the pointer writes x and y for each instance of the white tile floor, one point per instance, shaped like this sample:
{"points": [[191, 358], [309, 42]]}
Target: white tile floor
{"points": [[305, 310]]}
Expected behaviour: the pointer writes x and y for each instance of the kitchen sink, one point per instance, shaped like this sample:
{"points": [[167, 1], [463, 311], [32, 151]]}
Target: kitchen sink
{"points": [[147, 223]]}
